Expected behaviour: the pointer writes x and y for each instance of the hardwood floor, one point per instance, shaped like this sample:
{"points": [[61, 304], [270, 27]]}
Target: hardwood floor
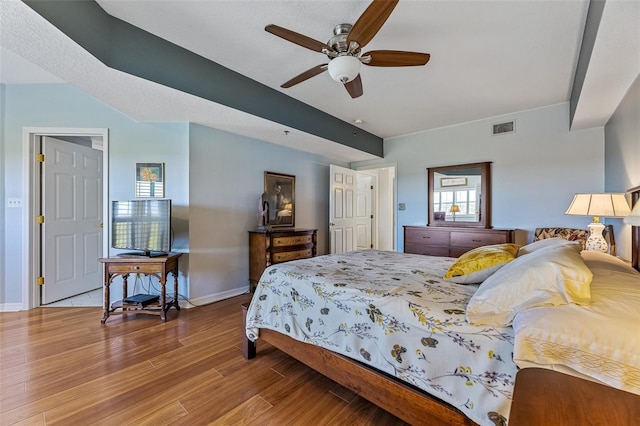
{"points": [[61, 366]]}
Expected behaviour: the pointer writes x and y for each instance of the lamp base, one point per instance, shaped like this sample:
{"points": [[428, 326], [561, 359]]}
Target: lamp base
{"points": [[596, 241]]}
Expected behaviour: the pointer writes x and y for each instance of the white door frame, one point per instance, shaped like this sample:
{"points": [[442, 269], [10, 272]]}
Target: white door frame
{"points": [[393, 166], [30, 190]]}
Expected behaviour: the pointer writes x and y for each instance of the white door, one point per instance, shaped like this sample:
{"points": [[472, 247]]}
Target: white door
{"points": [[342, 218], [72, 230], [364, 211]]}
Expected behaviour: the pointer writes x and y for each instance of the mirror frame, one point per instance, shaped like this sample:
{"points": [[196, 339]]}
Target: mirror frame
{"points": [[485, 191]]}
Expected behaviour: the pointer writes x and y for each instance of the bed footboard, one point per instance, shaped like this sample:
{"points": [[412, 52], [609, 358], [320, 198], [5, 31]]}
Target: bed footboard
{"points": [[404, 401], [248, 347]]}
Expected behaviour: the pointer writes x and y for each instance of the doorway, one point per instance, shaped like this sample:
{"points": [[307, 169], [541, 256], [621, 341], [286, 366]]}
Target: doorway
{"points": [[33, 258], [377, 194], [361, 208]]}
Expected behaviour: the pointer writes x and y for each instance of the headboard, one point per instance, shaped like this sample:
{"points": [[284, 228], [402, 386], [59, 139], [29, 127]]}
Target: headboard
{"points": [[635, 231]]}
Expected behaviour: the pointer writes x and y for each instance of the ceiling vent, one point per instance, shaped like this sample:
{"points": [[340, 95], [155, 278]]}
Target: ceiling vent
{"points": [[501, 128]]}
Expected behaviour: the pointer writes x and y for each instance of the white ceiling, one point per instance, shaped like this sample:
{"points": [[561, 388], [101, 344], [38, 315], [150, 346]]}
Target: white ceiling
{"points": [[488, 58]]}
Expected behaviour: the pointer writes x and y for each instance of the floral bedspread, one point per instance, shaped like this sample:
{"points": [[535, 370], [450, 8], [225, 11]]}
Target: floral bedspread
{"points": [[395, 312]]}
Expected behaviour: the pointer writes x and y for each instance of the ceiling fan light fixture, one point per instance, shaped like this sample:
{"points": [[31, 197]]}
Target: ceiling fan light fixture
{"points": [[344, 69]]}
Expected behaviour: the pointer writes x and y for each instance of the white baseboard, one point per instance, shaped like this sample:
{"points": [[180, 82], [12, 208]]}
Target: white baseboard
{"points": [[11, 307], [205, 300]]}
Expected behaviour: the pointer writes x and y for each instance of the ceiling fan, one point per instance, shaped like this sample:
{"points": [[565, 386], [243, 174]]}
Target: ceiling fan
{"points": [[344, 49]]}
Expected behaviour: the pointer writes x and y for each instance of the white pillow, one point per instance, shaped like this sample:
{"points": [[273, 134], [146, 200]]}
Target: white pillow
{"points": [[551, 276], [548, 242], [600, 341]]}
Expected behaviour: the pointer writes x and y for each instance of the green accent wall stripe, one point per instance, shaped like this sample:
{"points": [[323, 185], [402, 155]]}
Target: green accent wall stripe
{"points": [[130, 49]]}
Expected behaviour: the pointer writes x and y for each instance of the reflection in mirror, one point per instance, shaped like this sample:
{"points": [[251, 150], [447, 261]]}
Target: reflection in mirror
{"points": [[457, 194]]}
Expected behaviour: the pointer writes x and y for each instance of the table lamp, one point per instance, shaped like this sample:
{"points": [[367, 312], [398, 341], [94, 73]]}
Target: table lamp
{"points": [[597, 205], [454, 209]]}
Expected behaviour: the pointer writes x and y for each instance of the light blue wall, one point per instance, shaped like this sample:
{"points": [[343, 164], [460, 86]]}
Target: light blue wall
{"points": [[214, 179], [130, 142], [2, 195], [535, 170], [227, 179], [622, 157]]}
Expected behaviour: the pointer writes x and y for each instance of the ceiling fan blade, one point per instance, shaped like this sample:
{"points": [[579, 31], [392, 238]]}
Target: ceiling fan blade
{"points": [[395, 58], [311, 72], [294, 37], [370, 22], [354, 87]]}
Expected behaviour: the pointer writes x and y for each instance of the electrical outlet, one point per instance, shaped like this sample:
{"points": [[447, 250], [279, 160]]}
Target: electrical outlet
{"points": [[401, 206], [14, 202]]}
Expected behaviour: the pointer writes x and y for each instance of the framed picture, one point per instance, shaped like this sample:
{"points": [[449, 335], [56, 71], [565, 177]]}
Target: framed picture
{"points": [[457, 181], [279, 193], [150, 180]]}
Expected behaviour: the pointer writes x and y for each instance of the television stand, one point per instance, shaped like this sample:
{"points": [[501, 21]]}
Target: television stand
{"points": [[123, 266]]}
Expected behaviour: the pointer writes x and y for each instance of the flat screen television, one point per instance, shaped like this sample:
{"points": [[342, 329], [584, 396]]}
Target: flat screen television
{"points": [[142, 225]]}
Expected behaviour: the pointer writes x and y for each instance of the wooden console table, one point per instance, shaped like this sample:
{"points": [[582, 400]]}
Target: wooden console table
{"points": [[158, 267]]}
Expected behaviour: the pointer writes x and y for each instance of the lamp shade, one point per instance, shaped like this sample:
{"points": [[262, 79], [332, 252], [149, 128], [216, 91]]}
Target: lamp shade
{"points": [[634, 217], [344, 68], [596, 205], [454, 208]]}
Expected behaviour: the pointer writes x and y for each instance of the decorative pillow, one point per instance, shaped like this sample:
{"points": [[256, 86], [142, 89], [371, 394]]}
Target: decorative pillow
{"points": [[570, 234], [600, 341], [556, 241], [551, 276], [478, 264]]}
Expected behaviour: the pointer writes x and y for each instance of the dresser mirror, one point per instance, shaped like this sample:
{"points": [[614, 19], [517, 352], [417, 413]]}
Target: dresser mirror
{"points": [[460, 195]]}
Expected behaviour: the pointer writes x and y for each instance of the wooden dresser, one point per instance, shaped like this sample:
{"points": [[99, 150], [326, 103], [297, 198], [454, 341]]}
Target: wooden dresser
{"points": [[451, 241], [279, 245]]}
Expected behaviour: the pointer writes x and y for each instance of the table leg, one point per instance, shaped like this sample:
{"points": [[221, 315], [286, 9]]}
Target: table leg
{"points": [[107, 296], [163, 298], [175, 289], [125, 292]]}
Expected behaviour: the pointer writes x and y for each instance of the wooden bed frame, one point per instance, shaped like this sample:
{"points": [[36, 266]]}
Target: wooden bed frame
{"points": [[402, 400]]}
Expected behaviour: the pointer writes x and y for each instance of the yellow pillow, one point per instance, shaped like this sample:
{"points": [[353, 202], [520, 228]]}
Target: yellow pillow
{"points": [[478, 264]]}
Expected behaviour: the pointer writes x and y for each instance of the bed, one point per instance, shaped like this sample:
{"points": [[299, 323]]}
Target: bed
{"points": [[389, 327]]}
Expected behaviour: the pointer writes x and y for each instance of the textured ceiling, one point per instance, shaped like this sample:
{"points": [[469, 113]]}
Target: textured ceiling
{"points": [[488, 58]]}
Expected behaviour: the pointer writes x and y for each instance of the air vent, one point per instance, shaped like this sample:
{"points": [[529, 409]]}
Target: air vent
{"points": [[501, 128]]}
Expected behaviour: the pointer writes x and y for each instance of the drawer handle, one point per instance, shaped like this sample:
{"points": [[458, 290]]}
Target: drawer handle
{"points": [[427, 237], [137, 267], [477, 241]]}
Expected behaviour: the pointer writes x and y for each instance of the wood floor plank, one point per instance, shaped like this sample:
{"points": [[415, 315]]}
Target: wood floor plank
{"points": [[249, 412], [62, 366]]}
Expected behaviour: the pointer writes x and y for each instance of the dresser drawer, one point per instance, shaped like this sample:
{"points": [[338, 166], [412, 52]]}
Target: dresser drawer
{"points": [[296, 240], [426, 250], [450, 241], [426, 236], [277, 246], [476, 239], [286, 256]]}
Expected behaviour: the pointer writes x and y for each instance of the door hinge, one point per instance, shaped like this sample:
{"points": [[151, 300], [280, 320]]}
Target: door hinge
{"points": [[371, 245], [371, 186], [40, 158], [371, 216], [40, 219], [40, 280]]}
